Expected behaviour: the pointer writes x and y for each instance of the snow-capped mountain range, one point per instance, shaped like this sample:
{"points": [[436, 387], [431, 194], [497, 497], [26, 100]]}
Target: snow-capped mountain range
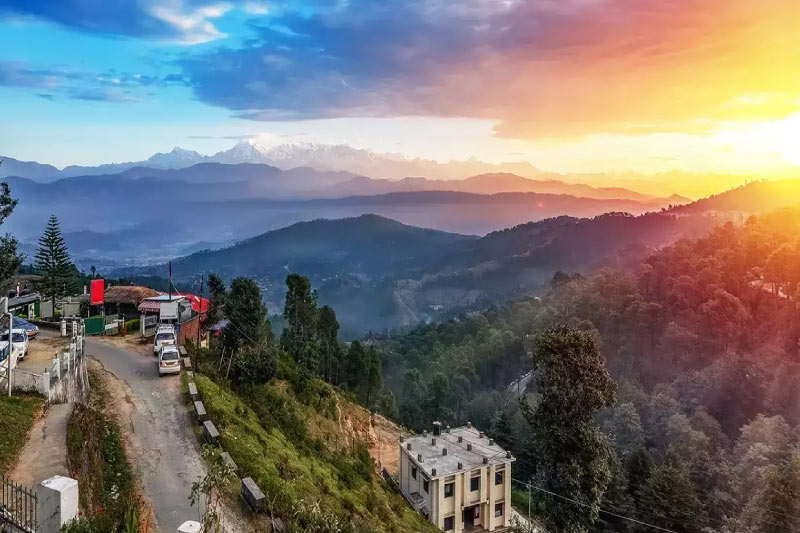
{"points": [[322, 157]]}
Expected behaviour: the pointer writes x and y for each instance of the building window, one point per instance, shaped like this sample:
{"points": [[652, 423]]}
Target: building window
{"points": [[414, 472], [449, 523], [425, 484], [449, 490], [498, 509], [498, 478], [474, 484]]}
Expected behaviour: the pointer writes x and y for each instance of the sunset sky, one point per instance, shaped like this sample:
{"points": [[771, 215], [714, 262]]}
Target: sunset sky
{"points": [[569, 85]]}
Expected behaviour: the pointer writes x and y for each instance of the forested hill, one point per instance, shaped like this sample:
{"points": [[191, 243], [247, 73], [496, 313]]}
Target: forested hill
{"points": [[369, 244], [702, 340], [754, 197]]}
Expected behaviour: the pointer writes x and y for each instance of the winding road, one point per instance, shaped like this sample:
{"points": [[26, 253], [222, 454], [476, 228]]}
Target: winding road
{"points": [[165, 451]]}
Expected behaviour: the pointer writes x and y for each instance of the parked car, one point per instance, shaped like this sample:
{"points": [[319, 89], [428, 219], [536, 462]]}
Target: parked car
{"points": [[169, 360], [31, 329], [19, 342], [5, 351], [164, 336]]}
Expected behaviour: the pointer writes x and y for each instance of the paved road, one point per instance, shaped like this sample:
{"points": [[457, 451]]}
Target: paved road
{"points": [[166, 451]]}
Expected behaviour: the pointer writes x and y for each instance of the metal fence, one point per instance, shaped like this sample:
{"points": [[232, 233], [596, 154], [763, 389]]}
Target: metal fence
{"points": [[17, 507]]}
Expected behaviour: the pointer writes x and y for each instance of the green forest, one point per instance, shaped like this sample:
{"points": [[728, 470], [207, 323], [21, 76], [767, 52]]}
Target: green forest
{"points": [[702, 343]]}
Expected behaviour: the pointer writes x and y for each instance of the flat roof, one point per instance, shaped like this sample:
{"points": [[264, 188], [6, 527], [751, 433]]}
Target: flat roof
{"points": [[165, 298], [457, 442]]}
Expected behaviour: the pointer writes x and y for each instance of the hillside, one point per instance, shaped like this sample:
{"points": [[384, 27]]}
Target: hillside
{"points": [[311, 455], [754, 197]]}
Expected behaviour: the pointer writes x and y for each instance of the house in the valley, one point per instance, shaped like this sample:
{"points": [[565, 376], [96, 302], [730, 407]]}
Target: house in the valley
{"points": [[458, 478]]}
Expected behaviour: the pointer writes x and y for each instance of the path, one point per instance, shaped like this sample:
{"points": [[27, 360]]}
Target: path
{"points": [[156, 428], [45, 453]]}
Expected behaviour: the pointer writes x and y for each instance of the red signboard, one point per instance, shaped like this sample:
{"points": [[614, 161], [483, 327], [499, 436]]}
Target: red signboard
{"points": [[98, 286]]}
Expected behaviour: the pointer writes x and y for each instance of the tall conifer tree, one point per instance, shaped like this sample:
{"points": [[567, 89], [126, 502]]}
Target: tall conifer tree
{"points": [[53, 263]]}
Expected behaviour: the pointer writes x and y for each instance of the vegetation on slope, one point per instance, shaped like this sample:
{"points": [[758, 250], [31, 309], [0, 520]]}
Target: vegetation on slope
{"points": [[311, 484], [17, 415]]}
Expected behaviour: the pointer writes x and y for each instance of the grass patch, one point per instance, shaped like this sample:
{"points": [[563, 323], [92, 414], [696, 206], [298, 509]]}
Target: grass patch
{"points": [[307, 483], [17, 415]]}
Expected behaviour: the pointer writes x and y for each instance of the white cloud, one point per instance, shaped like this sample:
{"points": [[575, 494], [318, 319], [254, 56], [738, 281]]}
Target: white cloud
{"points": [[256, 7], [195, 26]]}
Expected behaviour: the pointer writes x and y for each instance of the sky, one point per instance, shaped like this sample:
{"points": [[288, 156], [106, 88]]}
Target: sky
{"points": [[709, 86]]}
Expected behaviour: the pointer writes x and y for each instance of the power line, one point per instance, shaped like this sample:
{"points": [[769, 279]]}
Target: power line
{"points": [[622, 517]]}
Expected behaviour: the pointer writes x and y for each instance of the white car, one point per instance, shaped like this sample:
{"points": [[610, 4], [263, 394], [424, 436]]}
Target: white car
{"points": [[169, 360], [164, 337], [19, 342]]}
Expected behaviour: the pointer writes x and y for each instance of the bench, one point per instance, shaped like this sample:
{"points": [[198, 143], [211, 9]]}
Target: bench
{"points": [[193, 394], [182, 351], [187, 363], [229, 461], [252, 495], [200, 412], [210, 433]]}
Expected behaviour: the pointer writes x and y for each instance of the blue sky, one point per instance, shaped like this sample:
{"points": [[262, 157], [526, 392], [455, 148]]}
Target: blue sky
{"points": [[570, 85]]}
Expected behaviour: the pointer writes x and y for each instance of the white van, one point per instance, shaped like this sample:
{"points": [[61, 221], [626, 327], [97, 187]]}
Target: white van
{"points": [[164, 336]]}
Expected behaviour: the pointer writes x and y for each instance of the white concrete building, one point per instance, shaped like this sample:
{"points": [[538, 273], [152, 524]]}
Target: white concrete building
{"points": [[459, 479]]}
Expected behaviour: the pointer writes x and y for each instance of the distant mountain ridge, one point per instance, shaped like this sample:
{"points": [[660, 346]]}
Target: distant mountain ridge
{"points": [[322, 157], [494, 183]]}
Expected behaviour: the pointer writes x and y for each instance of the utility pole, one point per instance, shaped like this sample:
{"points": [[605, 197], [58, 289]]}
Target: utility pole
{"points": [[200, 311], [9, 361]]}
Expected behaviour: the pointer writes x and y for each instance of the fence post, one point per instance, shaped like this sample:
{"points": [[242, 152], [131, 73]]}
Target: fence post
{"points": [[56, 503]]}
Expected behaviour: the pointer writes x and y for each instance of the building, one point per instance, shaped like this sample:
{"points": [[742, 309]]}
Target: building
{"points": [[459, 479]]}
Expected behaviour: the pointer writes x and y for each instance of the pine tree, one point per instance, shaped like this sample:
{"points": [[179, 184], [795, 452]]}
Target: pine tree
{"points": [[300, 310], [53, 263], [374, 380], [330, 352]]}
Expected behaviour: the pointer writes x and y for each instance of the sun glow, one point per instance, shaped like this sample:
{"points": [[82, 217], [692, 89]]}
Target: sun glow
{"points": [[779, 138]]}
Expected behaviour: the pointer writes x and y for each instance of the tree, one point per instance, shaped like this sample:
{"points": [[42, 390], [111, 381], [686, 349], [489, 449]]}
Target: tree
{"points": [[216, 299], [670, 495], [776, 507], [254, 365], [10, 260], [246, 313], [373, 376], [355, 367], [53, 263], [328, 336], [300, 311], [570, 456], [502, 431]]}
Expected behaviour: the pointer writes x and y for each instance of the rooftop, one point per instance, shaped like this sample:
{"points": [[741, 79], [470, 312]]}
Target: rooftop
{"points": [[466, 446], [128, 294]]}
